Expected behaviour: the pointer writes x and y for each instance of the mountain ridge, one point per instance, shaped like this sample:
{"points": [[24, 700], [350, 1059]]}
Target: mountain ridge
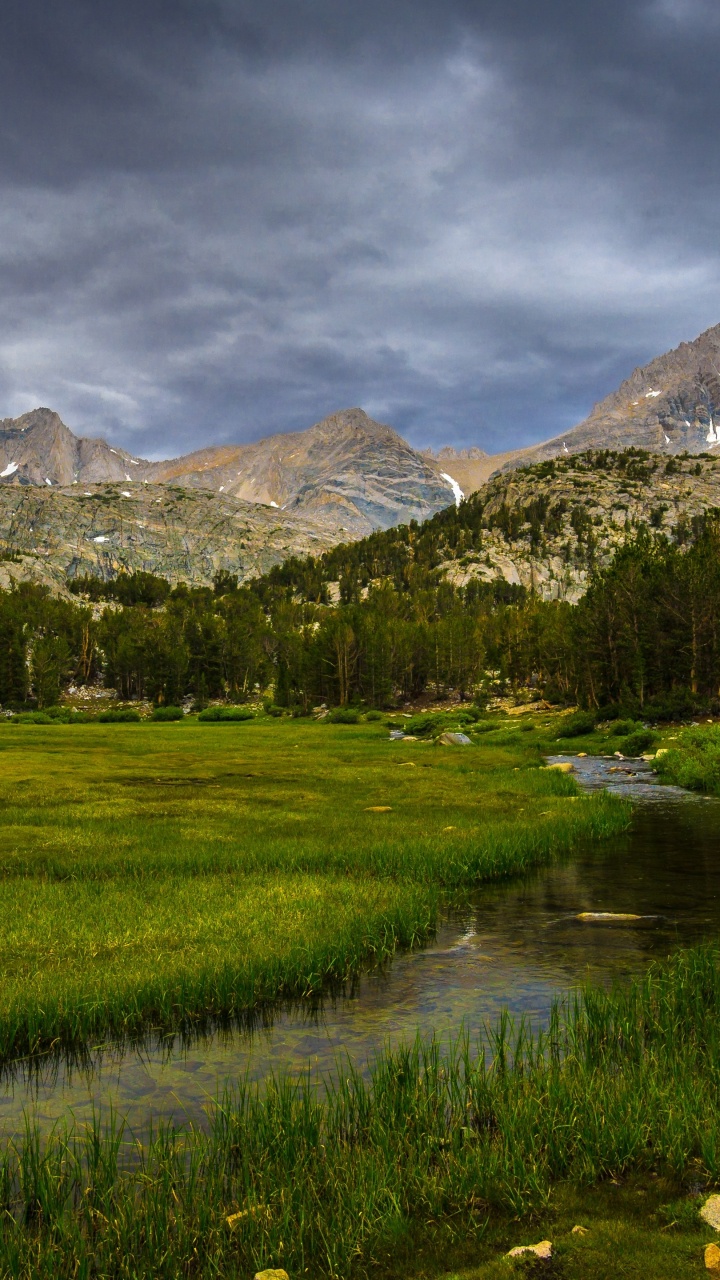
{"points": [[669, 406], [348, 469]]}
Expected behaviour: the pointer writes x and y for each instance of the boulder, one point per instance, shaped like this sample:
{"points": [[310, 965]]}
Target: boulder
{"points": [[454, 740], [272, 1274], [396, 735], [542, 1250], [712, 1259], [710, 1212]]}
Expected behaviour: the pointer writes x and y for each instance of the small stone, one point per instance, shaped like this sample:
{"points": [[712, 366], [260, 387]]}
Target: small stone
{"points": [[579, 1231], [272, 1274], [566, 766], [712, 1259], [710, 1212], [607, 917], [581, 755], [378, 808], [541, 1250]]}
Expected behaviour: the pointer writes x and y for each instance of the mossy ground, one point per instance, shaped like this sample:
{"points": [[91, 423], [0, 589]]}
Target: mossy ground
{"points": [[638, 1229]]}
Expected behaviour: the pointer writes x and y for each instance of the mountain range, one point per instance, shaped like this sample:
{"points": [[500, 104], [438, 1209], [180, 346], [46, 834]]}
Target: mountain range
{"points": [[348, 470], [72, 505]]}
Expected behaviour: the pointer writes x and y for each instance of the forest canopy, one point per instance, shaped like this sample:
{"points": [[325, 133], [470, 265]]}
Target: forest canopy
{"points": [[644, 637]]}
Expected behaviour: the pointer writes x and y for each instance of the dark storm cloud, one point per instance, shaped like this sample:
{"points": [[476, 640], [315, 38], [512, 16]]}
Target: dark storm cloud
{"points": [[473, 219]]}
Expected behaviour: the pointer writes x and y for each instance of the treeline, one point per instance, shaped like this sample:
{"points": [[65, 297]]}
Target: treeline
{"points": [[645, 637], [408, 556]]}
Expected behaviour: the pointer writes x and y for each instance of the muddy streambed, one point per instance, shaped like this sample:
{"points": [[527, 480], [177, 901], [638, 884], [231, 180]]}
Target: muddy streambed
{"points": [[512, 946]]}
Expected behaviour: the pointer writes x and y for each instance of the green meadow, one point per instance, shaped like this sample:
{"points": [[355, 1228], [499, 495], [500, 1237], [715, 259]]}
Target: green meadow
{"points": [[164, 875], [158, 875]]}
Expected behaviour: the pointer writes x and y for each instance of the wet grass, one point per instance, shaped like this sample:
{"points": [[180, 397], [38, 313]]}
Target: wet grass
{"points": [[159, 875], [439, 1155]]}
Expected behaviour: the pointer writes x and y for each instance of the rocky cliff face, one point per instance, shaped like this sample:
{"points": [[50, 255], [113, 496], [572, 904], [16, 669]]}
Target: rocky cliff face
{"points": [[38, 449], [48, 535], [547, 525], [347, 471]]}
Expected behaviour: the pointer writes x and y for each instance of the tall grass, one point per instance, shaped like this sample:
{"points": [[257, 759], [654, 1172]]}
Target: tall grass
{"points": [[324, 1184]]}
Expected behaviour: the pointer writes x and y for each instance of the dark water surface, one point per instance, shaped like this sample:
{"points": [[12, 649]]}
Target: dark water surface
{"points": [[513, 946]]}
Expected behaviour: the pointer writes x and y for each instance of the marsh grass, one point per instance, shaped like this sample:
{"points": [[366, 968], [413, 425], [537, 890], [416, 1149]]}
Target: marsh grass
{"points": [[436, 1139], [154, 876]]}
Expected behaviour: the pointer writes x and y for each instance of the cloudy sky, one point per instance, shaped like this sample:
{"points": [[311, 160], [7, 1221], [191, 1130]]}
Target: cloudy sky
{"points": [[472, 218]]}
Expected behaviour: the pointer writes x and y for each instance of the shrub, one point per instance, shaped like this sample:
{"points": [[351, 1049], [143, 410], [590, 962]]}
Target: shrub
{"points": [[469, 715], [271, 709], [343, 715], [695, 761], [621, 728], [33, 717], [638, 742], [577, 725], [226, 715], [168, 713], [373, 715], [119, 715], [423, 725]]}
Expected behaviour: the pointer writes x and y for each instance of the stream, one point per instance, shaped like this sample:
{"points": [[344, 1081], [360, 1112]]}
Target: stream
{"points": [[514, 945]]}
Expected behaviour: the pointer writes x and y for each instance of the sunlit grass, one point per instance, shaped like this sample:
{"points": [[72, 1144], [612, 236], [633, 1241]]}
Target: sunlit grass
{"points": [[152, 874]]}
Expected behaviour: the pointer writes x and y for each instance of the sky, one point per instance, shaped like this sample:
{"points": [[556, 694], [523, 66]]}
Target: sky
{"points": [[220, 219]]}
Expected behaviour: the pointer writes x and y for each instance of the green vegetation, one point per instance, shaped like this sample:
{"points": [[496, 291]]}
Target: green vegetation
{"points": [[168, 713], [157, 875], [436, 1148], [577, 726], [644, 642], [226, 715], [693, 761]]}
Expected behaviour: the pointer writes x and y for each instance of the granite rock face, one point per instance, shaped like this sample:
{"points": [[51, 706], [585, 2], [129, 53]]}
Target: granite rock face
{"points": [[48, 535], [591, 510]]}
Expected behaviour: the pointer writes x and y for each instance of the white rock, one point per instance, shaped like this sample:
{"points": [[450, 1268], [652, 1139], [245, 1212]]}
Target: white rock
{"points": [[541, 1250], [710, 1212]]}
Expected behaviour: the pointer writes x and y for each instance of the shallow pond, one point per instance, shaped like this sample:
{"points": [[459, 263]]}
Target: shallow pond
{"points": [[512, 946]]}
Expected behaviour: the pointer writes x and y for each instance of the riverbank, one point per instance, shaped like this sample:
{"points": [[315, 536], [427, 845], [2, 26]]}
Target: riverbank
{"points": [[436, 1151], [162, 875]]}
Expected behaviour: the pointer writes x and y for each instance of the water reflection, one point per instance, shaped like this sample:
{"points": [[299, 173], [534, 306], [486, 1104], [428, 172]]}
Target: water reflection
{"points": [[513, 945]]}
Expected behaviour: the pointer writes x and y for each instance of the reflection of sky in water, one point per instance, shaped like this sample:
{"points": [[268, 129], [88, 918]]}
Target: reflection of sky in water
{"points": [[513, 946]]}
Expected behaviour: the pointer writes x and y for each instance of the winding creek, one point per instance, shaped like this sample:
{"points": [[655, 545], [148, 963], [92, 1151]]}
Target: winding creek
{"points": [[515, 945]]}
